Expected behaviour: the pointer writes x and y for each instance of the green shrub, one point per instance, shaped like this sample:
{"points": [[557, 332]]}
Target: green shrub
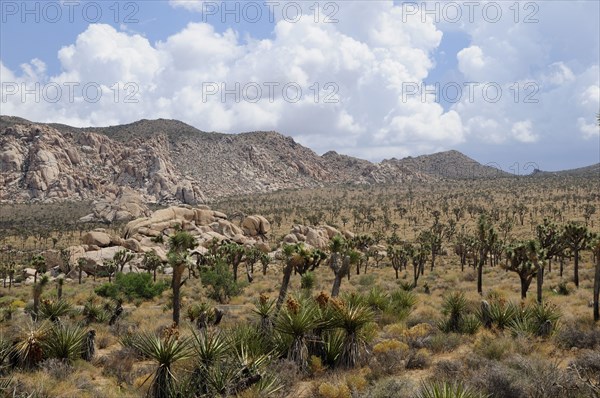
{"points": [[132, 286], [220, 283], [367, 280]]}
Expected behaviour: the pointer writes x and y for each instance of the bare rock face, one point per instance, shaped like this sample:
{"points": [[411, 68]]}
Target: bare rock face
{"points": [[256, 225], [96, 238], [39, 161], [152, 232], [317, 237], [125, 207]]}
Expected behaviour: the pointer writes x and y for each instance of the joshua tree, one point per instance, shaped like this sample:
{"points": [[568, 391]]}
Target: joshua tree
{"points": [[341, 259], [151, 262], [89, 346], [264, 261], [300, 260], [399, 256], [524, 258], [38, 288], [549, 239], [486, 239], [596, 249], [121, 258], [80, 265], [234, 255], [179, 244], [418, 259], [39, 264], [576, 238], [588, 211]]}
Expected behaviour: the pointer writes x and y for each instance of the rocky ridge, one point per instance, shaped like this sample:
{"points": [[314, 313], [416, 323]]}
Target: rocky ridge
{"points": [[165, 161]]}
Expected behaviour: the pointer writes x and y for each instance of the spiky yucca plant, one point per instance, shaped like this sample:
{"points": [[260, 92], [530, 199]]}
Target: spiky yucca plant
{"points": [[54, 309], [29, 348], [210, 346], [297, 320], [352, 318], [64, 342], [447, 390], [264, 308], [454, 307], [165, 352]]}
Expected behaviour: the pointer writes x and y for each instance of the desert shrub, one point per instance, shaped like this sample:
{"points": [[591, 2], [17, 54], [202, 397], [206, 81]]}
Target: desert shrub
{"points": [[418, 359], [586, 367], [333, 390], [544, 318], [132, 286], [493, 347], [57, 368], [418, 335], [446, 342], [389, 356], [541, 378], [562, 289], [220, 283], [391, 387], [495, 379], [573, 335], [499, 314], [119, 364], [366, 280], [448, 370]]}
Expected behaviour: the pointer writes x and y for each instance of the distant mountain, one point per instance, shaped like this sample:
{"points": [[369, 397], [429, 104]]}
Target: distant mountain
{"points": [[170, 161], [588, 171]]}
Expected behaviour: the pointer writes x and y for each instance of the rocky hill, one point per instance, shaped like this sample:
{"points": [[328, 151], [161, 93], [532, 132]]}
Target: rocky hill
{"points": [[588, 171], [169, 161]]}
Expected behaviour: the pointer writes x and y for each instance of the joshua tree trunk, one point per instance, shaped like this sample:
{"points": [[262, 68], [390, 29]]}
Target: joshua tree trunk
{"points": [[80, 272], [540, 283], [480, 275], [597, 290], [176, 285], [562, 263], [525, 282], [287, 274], [576, 267], [339, 272]]}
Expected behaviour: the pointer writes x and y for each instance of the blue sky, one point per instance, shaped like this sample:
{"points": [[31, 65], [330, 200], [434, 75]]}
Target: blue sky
{"points": [[505, 82]]}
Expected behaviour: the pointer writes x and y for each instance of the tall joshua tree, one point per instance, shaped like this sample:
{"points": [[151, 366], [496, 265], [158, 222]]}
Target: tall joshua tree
{"points": [[576, 237], [549, 238], [297, 258], [39, 264], [596, 249], [524, 258], [486, 239], [179, 244], [341, 259], [38, 288]]}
